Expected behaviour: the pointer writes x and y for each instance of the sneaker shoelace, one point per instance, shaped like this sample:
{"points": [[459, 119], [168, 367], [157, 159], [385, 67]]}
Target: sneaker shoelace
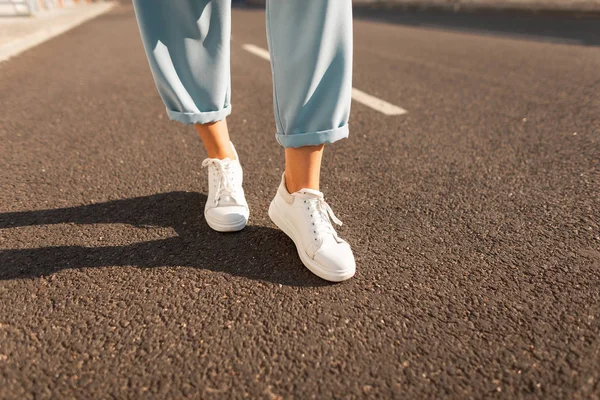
{"points": [[224, 179], [320, 213]]}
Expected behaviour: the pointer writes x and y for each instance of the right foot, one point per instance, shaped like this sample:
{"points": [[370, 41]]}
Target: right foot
{"points": [[306, 218], [226, 209]]}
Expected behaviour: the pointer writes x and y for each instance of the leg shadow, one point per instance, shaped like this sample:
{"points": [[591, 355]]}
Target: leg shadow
{"points": [[257, 252]]}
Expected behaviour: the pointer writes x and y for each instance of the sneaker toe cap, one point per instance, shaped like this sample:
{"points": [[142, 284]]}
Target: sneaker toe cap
{"points": [[227, 216], [337, 260]]}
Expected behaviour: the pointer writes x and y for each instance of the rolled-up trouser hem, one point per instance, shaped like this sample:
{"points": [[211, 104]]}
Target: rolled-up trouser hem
{"points": [[199, 118], [312, 138]]}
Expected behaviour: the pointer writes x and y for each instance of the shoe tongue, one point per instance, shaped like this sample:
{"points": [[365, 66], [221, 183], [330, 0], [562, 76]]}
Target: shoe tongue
{"points": [[227, 201], [310, 192]]}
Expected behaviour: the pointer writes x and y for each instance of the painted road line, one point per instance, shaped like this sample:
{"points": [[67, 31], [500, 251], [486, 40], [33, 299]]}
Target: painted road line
{"points": [[358, 95], [257, 51], [376, 103], [17, 46]]}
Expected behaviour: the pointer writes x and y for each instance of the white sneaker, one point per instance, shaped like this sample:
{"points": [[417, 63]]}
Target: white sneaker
{"points": [[226, 209], [304, 217]]}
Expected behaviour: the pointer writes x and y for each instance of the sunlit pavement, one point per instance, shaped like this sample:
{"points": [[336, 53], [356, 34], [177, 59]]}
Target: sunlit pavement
{"points": [[474, 216]]}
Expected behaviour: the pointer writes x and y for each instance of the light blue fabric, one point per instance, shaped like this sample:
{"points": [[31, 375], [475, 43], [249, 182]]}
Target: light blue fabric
{"points": [[310, 41]]}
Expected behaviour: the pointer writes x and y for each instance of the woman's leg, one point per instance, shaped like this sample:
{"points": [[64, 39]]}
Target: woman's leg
{"points": [[215, 137], [311, 58], [310, 44], [303, 167], [187, 44]]}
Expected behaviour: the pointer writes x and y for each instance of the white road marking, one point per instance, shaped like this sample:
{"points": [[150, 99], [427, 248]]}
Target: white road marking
{"points": [[376, 103], [18, 46], [257, 51], [373, 102]]}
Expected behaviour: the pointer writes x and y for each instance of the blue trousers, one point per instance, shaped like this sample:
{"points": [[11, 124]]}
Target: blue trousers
{"points": [[310, 42]]}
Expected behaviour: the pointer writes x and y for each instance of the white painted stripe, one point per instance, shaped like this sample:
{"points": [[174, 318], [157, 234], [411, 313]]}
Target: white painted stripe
{"points": [[376, 103], [257, 51], [358, 95], [18, 46]]}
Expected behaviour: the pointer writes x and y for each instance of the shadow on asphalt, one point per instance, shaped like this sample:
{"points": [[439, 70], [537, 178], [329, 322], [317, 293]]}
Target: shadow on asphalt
{"points": [[547, 28], [257, 252]]}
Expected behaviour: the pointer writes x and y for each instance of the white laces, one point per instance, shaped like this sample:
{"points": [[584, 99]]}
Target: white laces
{"points": [[319, 212], [225, 182]]}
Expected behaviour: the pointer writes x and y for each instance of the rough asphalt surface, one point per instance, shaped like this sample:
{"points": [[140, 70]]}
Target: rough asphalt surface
{"points": [[573, 7], [474, 219]]}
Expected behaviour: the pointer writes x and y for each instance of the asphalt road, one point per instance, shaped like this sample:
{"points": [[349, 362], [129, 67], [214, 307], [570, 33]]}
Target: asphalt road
{"points": [[474, 219]]}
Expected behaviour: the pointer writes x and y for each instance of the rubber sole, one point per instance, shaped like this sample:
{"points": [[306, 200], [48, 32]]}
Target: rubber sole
{"points": [[308, 262], [220, 227]]}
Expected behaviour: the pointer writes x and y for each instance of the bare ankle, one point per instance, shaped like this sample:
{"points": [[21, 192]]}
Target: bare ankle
{"points": [[221, 152], [288, 182], [302, 167], [215, 137], [293, 185]]}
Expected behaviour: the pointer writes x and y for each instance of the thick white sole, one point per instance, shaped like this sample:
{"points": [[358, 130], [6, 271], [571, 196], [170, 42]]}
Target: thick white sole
{"points": [[308, 262], [231, 227]]}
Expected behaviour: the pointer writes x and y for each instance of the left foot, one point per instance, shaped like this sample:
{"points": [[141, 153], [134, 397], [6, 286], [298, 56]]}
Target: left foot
{"points": [[226, 209], [305, 217]]}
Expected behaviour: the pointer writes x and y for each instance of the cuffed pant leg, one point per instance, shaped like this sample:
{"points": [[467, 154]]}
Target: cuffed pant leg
{"points": [[310, 43], [187, 44]]}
